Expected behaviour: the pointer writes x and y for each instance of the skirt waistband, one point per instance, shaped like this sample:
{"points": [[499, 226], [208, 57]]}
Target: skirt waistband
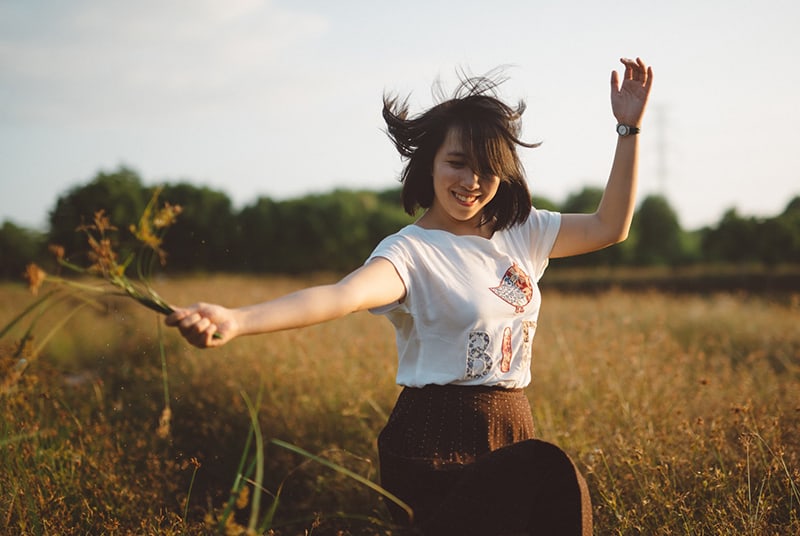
{"points": [[448, 424], [467, 389]]}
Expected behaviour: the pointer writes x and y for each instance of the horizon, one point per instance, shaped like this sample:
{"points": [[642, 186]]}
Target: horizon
{"points": [[236, 208]]}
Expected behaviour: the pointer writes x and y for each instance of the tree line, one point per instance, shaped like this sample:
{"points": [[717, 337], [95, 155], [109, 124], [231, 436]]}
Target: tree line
{"points": [[336, 231]]}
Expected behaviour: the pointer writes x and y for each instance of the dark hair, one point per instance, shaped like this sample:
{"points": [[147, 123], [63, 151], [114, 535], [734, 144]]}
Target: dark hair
{"points": [[489, 131]]}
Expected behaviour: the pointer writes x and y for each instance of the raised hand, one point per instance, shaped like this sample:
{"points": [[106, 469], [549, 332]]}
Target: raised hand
{"points": [[629, 98]]}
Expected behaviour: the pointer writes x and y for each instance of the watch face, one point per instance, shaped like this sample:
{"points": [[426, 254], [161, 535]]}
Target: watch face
{"points": [[622, 130]]}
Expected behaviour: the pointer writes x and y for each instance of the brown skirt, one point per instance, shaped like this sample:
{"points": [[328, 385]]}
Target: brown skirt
{"points": [[465, 460], [451, 425]]}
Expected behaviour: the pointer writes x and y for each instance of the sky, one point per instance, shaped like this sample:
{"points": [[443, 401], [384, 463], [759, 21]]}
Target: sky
{"points": [[283, 98]]}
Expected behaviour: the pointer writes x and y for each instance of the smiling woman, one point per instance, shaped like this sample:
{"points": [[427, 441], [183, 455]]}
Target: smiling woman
{"points": [[460, 286], [461, 195], [468, 145]]}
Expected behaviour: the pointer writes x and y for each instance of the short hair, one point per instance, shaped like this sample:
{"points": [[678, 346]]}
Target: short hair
{"points": [[489, 131]]}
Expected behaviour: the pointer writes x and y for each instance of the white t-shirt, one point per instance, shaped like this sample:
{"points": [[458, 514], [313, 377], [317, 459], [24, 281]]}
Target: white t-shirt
{"points": [[471, 303]]}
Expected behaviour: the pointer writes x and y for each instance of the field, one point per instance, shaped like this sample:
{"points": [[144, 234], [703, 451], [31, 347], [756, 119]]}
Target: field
{"points": [[683, 412]]}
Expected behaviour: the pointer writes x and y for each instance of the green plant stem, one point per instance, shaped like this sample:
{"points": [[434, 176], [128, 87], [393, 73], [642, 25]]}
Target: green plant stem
{"points": [[25, 312], [259, 476], [269, 517], [74, 284], [55, 328], [28, 333], [236, 488], [164, 376], [149, 298], [189, 493]]}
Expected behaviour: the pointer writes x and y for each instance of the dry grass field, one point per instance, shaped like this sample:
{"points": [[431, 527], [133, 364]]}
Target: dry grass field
{"points": [[682, 411]]}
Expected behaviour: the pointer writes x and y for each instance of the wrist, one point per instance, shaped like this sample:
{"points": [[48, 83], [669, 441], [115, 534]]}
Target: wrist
{"points": [[240, 321]]}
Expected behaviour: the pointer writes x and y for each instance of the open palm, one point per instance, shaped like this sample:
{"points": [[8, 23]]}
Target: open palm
{"points": [[629, 94]]}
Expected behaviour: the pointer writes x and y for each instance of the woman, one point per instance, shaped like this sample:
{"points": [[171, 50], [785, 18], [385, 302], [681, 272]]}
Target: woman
{"points": [[460, 287]]}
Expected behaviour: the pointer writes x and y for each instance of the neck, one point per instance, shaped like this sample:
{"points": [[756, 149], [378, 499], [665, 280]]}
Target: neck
{"points": [[471, 227]]}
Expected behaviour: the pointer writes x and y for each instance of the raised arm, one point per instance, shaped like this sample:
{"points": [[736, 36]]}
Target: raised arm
{"points": [[582, 233], [374, 284]]}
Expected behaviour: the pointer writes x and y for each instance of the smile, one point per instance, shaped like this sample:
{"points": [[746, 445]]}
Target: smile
{"points": [[465, 199]]}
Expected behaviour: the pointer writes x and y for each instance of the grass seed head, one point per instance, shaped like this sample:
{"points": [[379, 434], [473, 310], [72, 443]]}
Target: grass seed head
{"points": [[35, 277], [167, 216], [244, 497], [57, 251], [164, 423]]}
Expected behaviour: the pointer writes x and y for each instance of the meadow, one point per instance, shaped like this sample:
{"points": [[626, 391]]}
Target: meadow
{"points": [[682, 411]]}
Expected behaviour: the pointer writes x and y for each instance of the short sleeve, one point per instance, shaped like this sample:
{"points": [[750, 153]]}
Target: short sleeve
{"points": [[393, 250], [542, 229]]}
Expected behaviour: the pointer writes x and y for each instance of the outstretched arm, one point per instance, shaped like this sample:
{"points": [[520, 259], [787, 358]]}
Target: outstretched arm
{"points": [[373, 285], [582, 233]]}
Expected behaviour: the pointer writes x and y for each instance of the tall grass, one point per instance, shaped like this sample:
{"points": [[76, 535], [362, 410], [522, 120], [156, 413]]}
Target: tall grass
{"points": [[682, 412]]}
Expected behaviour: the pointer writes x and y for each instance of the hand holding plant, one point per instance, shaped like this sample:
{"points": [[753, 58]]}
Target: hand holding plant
{"points": [[105, 265], [149, 232]]}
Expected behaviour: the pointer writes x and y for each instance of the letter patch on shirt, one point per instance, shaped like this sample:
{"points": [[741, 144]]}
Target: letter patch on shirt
{"points": [[515, 288], [505, 364], [479, 362]]}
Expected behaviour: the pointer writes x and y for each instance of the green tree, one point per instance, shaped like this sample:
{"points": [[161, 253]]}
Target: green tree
{"points": [[384, 219], [774, 241], [734, 239], [769, 241], [259, 232], [206, 232], [790, 219], [792, 208], [18, 247], [332, 230], [119, 193], [390, 197], [542, 203], [584, 201], [657, 233], [335, 231]]}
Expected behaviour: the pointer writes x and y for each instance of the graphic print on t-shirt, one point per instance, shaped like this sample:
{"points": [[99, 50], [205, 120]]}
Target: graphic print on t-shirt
{"points": [[515, 288]]}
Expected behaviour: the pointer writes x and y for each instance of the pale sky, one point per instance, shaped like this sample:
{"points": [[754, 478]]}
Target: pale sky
{"points": [[283, 98]]}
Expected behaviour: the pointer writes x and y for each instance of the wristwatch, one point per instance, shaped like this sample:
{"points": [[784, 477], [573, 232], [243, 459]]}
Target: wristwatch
{"points": [[626, 130]]}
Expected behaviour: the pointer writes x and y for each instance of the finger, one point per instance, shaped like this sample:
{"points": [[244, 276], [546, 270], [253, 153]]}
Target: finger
{"points": [[649, 82], [199, 341], [207, 338], [629, 68], [174, 318], [637, 70], [614, 81], [212, 339], [202, 325], [642, 69], [195, 337], [188, 323]]}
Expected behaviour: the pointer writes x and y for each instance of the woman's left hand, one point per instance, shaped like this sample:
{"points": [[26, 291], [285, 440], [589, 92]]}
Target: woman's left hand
{"points": [[629, 98]]}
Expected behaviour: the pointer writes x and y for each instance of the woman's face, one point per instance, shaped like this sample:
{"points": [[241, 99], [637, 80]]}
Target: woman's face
{"points": [[460, 195]]}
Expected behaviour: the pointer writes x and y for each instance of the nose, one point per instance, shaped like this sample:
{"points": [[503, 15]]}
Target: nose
{"points": [[470, 180]]}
